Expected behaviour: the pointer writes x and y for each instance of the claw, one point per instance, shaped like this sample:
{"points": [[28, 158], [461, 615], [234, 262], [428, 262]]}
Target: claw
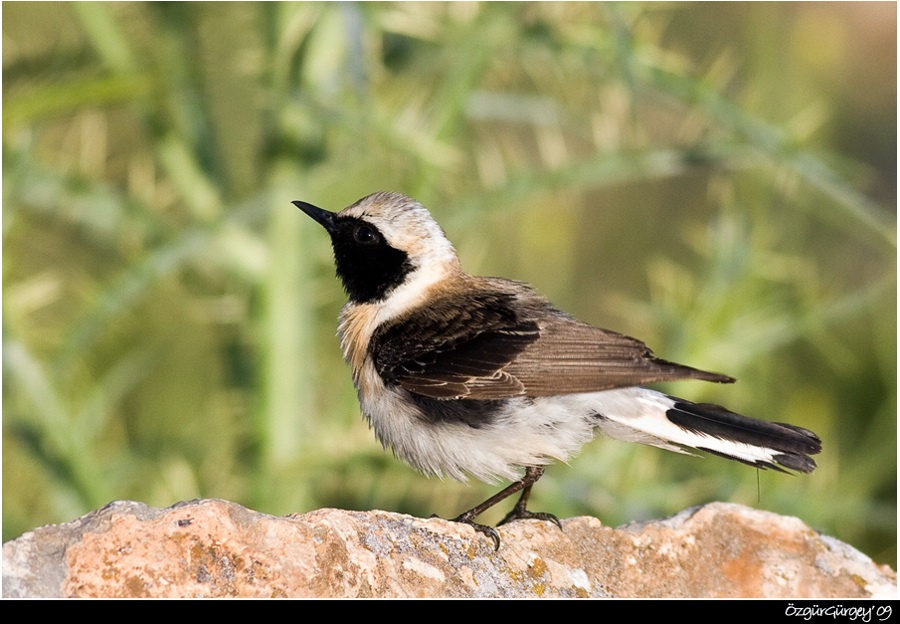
{"points": [[491, 532], [520, 513]]}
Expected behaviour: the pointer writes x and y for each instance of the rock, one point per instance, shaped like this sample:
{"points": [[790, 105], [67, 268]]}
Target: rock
{"points": [[213, 548]]}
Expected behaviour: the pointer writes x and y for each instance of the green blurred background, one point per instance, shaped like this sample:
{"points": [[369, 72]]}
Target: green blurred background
{"points": [[718, 179]]}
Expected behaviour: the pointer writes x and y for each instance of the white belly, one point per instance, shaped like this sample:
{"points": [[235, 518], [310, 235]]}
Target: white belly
{"points": [[520, 432]]}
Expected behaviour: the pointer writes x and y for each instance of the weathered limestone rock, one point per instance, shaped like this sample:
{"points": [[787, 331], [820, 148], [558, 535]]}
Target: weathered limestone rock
{"points": [[215, 548]]}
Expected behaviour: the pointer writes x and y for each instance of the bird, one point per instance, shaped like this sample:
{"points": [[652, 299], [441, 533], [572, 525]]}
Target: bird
{"points": [[467, 376]]}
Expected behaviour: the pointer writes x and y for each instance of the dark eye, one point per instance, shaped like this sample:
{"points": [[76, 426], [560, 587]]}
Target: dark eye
{"points": [[364, 235]]}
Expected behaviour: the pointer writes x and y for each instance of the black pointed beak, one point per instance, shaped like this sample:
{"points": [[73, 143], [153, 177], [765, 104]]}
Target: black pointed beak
{"points": [[322, 217]]}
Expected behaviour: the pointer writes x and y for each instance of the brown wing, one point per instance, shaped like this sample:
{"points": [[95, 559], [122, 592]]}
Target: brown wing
{"points": [[495, 344], [572, 357]]}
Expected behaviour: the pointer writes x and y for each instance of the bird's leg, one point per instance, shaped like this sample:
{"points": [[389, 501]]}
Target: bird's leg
{"points": [[532, 474], [519, 512]]}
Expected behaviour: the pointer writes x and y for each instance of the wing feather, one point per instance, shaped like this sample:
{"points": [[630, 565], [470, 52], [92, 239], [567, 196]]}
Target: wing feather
{"points": [[507, 341]]}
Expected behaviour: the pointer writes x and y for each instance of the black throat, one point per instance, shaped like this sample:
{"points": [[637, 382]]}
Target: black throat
{"points": [[366, 264]]}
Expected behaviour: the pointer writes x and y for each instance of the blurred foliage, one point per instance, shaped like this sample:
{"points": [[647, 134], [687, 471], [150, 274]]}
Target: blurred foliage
{"points": [[718, 179]]}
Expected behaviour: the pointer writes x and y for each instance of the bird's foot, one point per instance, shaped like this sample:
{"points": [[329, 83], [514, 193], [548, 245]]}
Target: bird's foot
{"points": [[519, 512], [491, 532]]}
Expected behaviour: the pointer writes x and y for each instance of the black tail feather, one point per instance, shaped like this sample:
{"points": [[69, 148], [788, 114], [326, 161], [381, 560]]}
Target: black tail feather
{"points": [[791, 445]]}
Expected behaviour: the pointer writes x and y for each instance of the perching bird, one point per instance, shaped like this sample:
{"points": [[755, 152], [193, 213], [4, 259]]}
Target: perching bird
{"points": [[463, 375]]}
